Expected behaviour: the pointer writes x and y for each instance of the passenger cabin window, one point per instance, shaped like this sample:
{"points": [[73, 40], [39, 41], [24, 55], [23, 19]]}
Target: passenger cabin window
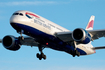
{"points": [[18, 14]]}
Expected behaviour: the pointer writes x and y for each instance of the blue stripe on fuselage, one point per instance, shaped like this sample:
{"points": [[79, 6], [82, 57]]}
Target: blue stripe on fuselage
{"points": [[44, 38]]}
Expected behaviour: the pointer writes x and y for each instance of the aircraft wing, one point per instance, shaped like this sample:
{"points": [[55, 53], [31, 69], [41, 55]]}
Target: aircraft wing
{"points": [[27, 41], [64, 36], [96, 34], [67, 36]]}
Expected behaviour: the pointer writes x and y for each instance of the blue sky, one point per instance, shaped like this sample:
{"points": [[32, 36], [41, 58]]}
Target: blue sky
{"points": [[70, 14]]}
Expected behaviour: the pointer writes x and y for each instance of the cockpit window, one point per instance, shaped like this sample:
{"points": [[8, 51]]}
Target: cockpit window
{"points": [[15, 13], [21, 14], [18, 14]]}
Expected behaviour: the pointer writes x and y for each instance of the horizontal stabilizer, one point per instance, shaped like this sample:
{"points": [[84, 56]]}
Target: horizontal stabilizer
{"points": [[0, 40], [97, 48]]}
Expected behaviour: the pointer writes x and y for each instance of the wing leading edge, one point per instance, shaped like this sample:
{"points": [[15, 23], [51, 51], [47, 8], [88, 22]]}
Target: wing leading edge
{"points": [[96, 34], [27, 41], [67, 36], [64, 36]]}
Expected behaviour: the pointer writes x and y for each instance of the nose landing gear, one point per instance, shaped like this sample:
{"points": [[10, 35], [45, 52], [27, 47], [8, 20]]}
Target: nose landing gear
{"points": [[21, 37]]}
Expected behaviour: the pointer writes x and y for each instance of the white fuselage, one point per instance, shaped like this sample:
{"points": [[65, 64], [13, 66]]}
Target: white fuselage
{"points": [[35, 21], [39, 23]]}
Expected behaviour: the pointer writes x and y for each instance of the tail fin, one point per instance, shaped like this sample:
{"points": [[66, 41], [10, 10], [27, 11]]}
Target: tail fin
{"points": [[90, 23]]}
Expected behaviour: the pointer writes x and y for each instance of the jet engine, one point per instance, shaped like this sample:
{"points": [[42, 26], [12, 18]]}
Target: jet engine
{"points": [[11, 43], [81, 35]]}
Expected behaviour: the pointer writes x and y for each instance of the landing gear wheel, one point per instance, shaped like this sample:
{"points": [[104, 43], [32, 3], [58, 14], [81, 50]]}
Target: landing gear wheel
{"points": [[77, 53], [73, 55], [37, 55], [44, 57], [40, 56]]}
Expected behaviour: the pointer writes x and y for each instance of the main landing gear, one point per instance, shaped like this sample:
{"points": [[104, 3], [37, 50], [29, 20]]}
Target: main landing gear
{"points": [[75, 51], [41, 55], [40, 47]]}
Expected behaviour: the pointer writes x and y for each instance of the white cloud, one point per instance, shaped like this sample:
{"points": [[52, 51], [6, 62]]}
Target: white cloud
{"points": [[24, 3]]}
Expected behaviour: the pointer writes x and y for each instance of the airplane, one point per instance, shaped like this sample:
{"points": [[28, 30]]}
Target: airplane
{"points": [[43, 33]]}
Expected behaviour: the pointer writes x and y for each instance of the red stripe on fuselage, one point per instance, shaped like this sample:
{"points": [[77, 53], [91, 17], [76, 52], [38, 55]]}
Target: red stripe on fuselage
{"points": [[32, 14]]}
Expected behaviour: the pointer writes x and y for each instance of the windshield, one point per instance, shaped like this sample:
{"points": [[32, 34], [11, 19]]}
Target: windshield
{"points": [[18, 14]]}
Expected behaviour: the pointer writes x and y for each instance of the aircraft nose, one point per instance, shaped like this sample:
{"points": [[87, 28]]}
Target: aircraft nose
{"points": [[13, 19]]}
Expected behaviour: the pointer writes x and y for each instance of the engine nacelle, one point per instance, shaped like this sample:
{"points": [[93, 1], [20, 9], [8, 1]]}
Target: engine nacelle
{"points": [[81, 35], [11, 43]]}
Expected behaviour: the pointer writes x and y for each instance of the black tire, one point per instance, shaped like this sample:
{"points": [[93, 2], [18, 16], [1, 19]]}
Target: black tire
{"points": [[37, 55], [78, 54], [73, 55], [44, 57], [40, 58]]}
